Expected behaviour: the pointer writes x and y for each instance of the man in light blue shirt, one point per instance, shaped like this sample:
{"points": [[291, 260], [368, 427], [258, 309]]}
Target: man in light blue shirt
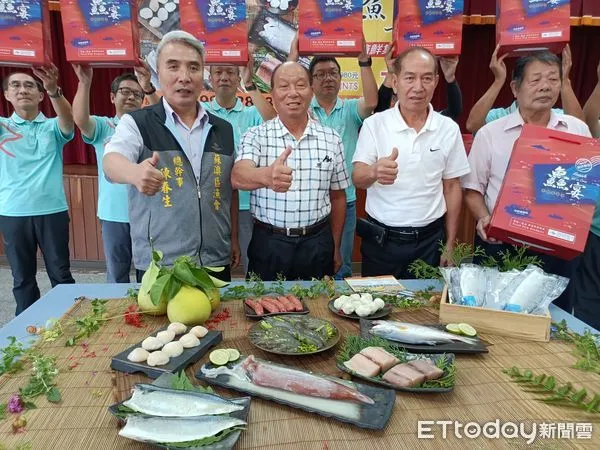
{"points": [[226, 81], [33, 206], [127, 94], [346, 117]]}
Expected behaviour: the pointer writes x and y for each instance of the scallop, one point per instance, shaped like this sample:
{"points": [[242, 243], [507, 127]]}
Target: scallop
{"points": [[146, 13], [170, 7], [163, 1], [165, 336], [158, 358], [199, 331], [274, 3], [284, 4], [138, 355], [155, 22], [189, 340], [152, 343], [173, 349], [162, 14], [177, 2], [154, 5], [177, 328]]}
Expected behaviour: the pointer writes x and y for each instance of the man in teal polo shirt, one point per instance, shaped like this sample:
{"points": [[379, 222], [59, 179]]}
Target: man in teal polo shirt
{"points": [[127, 94], [226, 81], [346, 117], [33, 206]]}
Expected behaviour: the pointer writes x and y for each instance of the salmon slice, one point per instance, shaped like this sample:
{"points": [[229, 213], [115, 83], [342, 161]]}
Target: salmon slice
{"points": [[427, 368], [380, 357], [362, 366]]}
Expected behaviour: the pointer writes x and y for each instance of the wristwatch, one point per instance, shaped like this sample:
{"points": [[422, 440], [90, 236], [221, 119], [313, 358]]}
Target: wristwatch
{"points": [[57, 94], [250, 87], [367, 63], [151, 91]]}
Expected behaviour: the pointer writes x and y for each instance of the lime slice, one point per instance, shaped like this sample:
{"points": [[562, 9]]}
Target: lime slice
{"points": [[467, 329], [233, 354], [453, 328], [219, 357]]}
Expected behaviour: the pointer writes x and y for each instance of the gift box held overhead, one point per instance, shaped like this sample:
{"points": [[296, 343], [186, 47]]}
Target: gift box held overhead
{"points": [[433, 24], [549, 192], [221, 25], [102, 33], [330, 27], [25, 38], [528, 25]]}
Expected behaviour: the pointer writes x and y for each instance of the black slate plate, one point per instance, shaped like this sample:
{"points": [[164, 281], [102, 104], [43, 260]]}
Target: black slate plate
{"points": [[329, 344], [373, 416], [385, 311], [189, 356], [449, 357], [249, 312], [225, 444], [453, 347]]}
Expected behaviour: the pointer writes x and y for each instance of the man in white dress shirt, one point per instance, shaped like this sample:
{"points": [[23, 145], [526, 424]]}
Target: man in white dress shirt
{"points": [[177, 158], [409, 159]]}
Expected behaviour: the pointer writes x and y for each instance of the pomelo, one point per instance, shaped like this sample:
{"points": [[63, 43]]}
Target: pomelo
{"points": [[190, 306], [147, 307]]}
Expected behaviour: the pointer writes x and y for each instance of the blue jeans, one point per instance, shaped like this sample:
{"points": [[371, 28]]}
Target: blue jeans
{"points": [[347, 244], [117, 251]]}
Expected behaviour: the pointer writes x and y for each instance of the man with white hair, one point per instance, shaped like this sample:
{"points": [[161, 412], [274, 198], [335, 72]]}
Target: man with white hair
{"points": [[177, 157]]}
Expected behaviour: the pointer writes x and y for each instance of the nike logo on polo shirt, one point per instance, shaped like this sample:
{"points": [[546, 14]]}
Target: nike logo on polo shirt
{"points": [[434, 149]]}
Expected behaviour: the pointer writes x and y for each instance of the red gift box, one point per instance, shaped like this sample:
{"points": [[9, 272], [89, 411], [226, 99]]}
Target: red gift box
{"points": [[101, 33], [221, 26], [549, 192], [528, 25], [433, 24], [25, 38], [330, 27]]}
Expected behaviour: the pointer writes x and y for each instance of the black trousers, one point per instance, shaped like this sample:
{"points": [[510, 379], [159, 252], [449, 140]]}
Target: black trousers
{"points": [[224, 275], [586, 284], [295, 258], [396, 254], [550, 264], [22, 236]]}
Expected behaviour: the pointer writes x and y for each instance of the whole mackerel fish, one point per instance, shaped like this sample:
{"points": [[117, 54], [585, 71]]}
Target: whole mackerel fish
{"points": [[410, 333]]}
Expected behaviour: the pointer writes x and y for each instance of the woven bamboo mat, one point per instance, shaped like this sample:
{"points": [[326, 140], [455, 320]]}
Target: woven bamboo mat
{"points": [[482, 394]]}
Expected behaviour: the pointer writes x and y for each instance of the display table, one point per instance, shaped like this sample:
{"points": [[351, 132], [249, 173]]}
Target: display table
{"points": [[482, 393]]}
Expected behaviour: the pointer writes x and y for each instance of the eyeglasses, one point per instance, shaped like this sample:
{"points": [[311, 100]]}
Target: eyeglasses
{"points": [[126, 92], [334, 75], [27, 85]]}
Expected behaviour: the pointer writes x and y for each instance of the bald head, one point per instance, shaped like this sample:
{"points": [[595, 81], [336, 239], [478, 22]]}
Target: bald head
{"points": [[286, 67]]}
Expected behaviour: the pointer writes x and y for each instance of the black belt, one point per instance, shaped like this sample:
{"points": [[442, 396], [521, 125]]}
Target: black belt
{"points": [[294, 232], [411, 233]]}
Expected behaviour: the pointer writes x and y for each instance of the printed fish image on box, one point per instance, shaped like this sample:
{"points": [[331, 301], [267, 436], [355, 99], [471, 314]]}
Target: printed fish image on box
{"points": [[102, 33], [221, 25], [330, 27], [25, 38], [433, 24]]}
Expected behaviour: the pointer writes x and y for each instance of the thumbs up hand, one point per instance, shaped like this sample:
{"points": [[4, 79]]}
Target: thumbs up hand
{"points": [[149, 179], [385, 170], [281, 174]]}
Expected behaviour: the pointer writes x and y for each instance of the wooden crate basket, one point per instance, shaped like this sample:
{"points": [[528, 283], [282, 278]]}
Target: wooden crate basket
{"points": [[504, 323]]}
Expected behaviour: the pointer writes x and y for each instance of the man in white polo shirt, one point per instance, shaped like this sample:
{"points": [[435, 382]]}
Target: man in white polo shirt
{"points": [[409, 159]]}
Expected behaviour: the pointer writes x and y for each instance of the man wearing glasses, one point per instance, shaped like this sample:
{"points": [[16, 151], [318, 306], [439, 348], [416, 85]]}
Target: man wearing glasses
{"points": [[127, 94], [346, 117], [33, 206]]}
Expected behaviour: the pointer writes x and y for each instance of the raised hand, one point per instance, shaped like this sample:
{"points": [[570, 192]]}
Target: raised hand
{"points": [[497, 65], [49, 77], [385, 170], [281, 174], [84, 73], [148, 178]]}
